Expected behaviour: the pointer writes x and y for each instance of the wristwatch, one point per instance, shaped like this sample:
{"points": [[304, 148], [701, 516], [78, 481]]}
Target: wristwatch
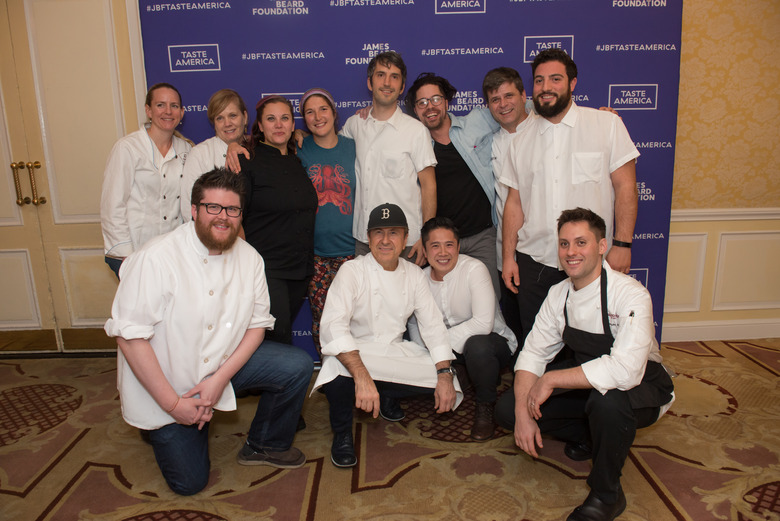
{"points": [[450, 370], [622, 244]]}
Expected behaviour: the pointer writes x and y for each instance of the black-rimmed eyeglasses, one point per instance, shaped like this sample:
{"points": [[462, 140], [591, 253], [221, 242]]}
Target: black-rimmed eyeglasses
{"points": [[433, 100], [216, 209]]}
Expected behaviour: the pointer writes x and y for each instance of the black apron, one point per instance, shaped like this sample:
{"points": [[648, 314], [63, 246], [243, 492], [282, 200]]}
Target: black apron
{"points": [[656, 387]]}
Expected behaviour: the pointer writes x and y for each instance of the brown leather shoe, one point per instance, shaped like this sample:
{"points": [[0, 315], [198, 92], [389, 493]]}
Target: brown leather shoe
{"points": [[483, 427]]}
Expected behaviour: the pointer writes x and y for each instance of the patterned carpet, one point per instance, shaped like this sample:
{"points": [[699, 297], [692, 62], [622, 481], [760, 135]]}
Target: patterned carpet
{"points": [[66, 454]]}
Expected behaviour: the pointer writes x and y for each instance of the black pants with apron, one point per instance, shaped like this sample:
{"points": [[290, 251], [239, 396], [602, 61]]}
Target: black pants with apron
{"points": [[610, 420]]}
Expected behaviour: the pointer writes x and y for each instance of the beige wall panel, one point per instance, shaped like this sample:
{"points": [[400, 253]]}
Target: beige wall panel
{"points": [[727, 154], [747, 276], [90, 286], [9, 210], [85, 121], [687, 253], [19, 306]]}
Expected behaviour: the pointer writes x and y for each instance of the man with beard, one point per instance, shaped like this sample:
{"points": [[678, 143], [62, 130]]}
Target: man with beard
{"points": [[189, 316], [465, 187], [570, 156]]}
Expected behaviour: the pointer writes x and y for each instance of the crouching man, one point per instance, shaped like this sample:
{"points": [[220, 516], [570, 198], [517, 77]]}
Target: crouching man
{"points": [[614, 385], [366, 362], [481, 340], [189, 317]]}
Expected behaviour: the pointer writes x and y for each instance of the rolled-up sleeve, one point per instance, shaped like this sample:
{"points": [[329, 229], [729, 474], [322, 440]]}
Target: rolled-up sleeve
{"points": [[624, 367], [140, 300]]}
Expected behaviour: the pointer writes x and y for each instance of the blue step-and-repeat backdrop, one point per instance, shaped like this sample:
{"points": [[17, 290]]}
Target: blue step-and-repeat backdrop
{"points": [[627, 52]]}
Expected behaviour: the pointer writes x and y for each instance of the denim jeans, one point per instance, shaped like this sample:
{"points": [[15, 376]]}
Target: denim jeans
{"points": [[282, 372]]}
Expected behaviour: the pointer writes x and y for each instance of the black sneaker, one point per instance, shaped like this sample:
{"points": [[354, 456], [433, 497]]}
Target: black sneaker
{"points": [[342, 451], [390, 409], [291, 458]]}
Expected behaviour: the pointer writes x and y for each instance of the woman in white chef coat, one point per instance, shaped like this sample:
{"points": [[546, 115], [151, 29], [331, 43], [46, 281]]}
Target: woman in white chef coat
{"points": [[227, 114], [142, 180]]}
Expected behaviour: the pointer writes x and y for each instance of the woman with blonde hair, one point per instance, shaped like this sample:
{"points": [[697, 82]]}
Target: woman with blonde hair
{"points": [[227, 114], [142, 180]]}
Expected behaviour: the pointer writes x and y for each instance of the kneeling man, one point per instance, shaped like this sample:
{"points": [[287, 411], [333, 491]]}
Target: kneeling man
{"points": [[366, 362], [482, 342], [614, 385], [189, 317]]}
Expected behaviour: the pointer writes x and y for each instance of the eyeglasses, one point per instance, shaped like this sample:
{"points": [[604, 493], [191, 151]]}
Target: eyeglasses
{"points": [[216, 209], [433, 100]]}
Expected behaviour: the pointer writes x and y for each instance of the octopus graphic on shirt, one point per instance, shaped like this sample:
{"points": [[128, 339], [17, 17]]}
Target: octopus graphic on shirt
{"points": [[332, 185]]}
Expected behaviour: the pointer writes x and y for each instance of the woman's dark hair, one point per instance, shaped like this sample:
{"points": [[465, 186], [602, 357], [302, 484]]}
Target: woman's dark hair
{"points": [[257, 134]]}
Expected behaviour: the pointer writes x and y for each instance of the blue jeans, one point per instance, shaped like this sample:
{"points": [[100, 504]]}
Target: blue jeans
{"points": [[282, 372]]}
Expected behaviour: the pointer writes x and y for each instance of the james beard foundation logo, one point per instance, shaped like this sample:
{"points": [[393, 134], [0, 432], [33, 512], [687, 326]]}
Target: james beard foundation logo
{"points": [[533, 45], [634, 96], [192, 58]]}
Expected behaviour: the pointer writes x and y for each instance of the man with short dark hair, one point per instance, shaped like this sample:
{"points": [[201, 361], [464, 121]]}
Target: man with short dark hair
{"points": [[615, 383], [480, 339], [504, 94], [366, 362], [465, 187], [393, 156], [570, 156], [190, 316]]}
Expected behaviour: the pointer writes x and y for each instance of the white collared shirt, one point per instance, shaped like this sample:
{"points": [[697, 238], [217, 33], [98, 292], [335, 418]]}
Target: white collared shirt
{"points": [[204, 157], [563, 166], [141, 191], [468, 304], [390, 154], [501, 140], [194, 308]]}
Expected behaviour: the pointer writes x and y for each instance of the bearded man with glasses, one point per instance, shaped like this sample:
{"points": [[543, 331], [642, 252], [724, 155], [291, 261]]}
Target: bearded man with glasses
{"points": [[190, 317]]}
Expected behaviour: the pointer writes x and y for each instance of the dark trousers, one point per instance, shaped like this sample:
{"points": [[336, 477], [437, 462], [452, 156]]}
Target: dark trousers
{"points": [[536, 279], [585, 414], [114, 264], [341, 397], [286, 297], [484, 356], [510, 310]]}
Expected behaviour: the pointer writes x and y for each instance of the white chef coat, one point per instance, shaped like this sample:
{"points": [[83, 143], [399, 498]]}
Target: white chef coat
{"points": [[141, 191], [204, 157], [367, 310], [468, 304], [630, 312], [194, 308]]}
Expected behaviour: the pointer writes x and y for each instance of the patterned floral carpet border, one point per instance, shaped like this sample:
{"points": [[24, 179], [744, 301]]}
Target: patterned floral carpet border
{"points": [[66, 454]]}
